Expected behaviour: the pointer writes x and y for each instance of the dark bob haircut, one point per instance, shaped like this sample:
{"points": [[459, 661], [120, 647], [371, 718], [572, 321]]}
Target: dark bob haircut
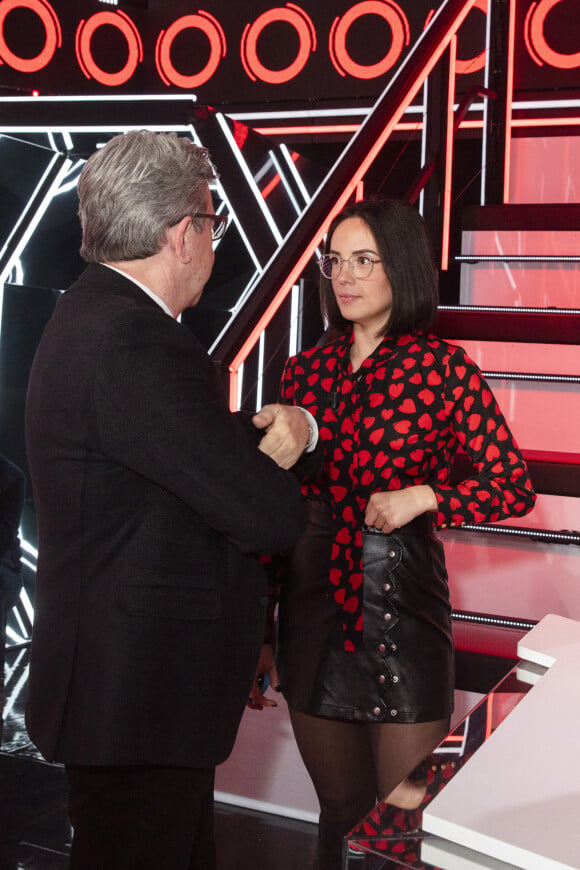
{"points": [[404, 246]]}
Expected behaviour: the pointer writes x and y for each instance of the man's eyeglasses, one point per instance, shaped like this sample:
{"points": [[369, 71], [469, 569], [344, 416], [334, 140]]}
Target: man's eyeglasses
{"points": [[360, 266], [220, 222]]}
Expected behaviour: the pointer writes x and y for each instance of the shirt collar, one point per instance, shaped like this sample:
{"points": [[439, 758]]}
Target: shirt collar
{"points": [[162, 304]]}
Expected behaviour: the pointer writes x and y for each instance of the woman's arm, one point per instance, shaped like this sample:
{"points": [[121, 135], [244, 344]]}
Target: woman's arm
{"points": [[500, 486]]}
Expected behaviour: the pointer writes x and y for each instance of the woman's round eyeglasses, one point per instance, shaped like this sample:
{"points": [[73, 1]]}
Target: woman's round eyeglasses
{"points": [[360, 265]]}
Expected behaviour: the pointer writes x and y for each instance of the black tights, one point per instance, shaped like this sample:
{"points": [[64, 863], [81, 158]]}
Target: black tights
{"points": [[353, 764]]}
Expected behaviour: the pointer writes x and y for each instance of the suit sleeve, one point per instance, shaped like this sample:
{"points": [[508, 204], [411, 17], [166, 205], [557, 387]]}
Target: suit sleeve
{"points": [[161, 412]]}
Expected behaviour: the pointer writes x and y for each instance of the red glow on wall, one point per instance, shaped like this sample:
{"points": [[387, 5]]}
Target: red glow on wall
{"points": [[536, 42], [52, 30], [85, 32], [303, 26], [397, 21], [217, 41]]}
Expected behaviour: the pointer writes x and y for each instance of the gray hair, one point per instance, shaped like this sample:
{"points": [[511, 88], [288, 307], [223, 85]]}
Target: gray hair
{"points": [[135, 187]]}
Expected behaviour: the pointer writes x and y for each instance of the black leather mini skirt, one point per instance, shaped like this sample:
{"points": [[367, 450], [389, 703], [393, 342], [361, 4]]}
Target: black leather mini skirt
{"points": [[404, 670]]}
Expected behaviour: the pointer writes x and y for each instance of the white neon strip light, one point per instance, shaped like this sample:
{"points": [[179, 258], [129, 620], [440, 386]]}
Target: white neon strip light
{"points": [[424, 140], [509, 99], [240, 385], [95, 128], [295, 174], [247, 292], [448, 160], [486, 81], [302, 115], [13, 668], [27, 547], [233, 216], [546, 104], [477, 124], [517, 258], [310, 113], [35, 219], [66, 129], [294, 320], [248, 176], [24, 631], [263, 171], [260, 378], [54, 159], [17, 274], [104, 98], [506, 309], [13, 637], [284, 181], [525, 376], [74, 176], [545, 122], [27, 604], [10, 701]]}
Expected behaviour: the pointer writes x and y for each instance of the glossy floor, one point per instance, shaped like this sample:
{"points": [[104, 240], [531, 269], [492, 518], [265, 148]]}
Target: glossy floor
{"points": [[34, 829]]}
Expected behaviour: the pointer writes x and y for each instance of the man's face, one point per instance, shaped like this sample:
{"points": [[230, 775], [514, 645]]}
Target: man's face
{"points": [[201, 247]]}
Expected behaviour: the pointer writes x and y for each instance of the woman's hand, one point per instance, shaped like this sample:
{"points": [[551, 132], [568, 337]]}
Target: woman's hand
{"points": [[266, 665], [390, 510]]}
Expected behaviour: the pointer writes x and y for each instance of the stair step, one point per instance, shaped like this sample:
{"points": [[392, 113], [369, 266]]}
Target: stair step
{"points": [[505, 323]]}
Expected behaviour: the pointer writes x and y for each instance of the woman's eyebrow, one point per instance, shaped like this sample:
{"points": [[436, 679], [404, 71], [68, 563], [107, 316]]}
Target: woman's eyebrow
{"points": [[359, 251]]}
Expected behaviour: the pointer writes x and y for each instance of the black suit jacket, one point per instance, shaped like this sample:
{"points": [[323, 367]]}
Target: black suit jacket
{"points": [[151, 501]]}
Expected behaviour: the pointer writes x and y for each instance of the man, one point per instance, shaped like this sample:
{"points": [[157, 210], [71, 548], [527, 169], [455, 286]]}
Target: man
{"points": [[152, 501]]}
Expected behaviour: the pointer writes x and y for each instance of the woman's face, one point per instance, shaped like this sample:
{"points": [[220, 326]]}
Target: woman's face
{"points": [[365, 301]]}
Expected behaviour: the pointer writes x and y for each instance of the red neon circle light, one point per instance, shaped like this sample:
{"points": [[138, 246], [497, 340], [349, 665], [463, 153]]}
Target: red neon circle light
{"points": [[304, 27], [217, 41], [397, 21], [86, 31], [473, 64], [52, 29], [536, 42]]}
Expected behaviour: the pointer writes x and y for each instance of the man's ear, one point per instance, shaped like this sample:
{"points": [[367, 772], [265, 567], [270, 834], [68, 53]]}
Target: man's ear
{"points": [[177, 239]]}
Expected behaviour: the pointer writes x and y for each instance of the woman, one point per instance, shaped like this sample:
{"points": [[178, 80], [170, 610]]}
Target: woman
{"points": [[365, 654]]}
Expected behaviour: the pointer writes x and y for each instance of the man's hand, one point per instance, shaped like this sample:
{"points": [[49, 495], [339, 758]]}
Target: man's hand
{"points": [[266, 665], [287, 433]]}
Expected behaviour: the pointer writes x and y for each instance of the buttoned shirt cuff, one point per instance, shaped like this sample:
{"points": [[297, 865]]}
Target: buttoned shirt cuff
{"points": [[312, 431]]}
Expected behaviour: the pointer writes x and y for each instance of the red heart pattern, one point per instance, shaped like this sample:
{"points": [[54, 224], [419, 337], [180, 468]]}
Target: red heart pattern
{"points": [[433, 402]]}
